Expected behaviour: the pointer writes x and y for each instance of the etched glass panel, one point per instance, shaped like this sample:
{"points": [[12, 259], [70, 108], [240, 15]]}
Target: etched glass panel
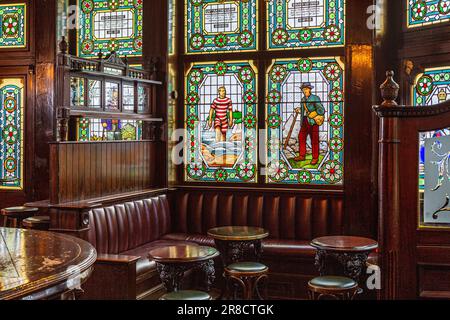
{"points": [[431, 87], [108, 129], [305, 23], [112, 95], [95, 89], [110, 25], [435, 194], [13, 25], [426, 12], [143, 96], [221, 122], [218, 26], [11, 133], [77, 92], [305, 121], [128, 97]]}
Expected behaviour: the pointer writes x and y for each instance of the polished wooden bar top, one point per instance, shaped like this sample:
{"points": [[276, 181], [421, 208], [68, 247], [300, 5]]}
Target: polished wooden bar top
{"points": [[36, 263], [183, 254], [238, 233], [344, 243]]}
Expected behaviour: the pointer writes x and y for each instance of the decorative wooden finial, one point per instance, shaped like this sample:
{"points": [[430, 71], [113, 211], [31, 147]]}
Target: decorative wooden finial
{"points": [[63, 45], [389, 90]]}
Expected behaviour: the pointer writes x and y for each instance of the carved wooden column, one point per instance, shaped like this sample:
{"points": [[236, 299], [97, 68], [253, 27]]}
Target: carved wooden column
{"points": [[388, 186]]}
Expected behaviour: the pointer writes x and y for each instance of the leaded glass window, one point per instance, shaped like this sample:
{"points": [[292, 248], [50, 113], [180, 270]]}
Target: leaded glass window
{"points": [[108, 129], [13, 25], [426, 12], [11, 129], [221, 122], [110, 25], [431, 87], [218, 26], [305, 117], [305, 23]]}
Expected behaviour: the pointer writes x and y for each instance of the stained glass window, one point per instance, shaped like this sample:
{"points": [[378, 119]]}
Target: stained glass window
{"points": [[217, 25], [305, 23], [305, 117], [110, 25], [172, 26], [11, 129], [108, 129], [432, 87], [13, 23], [426, 12], [221, 122]]}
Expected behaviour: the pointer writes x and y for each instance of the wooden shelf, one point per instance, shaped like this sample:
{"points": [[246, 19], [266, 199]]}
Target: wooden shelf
{"points": [[113, 115]]}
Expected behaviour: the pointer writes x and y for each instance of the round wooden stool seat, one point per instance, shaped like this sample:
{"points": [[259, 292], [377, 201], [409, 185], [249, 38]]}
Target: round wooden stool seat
{"points": [[247, 276], [186, 295], [37, 223], [333, 287], [14, 216]]}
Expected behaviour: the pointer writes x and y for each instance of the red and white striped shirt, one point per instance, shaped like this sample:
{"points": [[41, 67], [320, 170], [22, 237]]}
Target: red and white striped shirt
{"points": [[221, 106]]}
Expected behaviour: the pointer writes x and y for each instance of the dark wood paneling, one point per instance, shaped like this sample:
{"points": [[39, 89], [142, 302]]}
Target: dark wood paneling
{"points": [[91, 170]]}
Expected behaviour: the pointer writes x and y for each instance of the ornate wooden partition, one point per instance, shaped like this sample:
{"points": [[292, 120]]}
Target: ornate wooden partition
{"points": [[415, 258]]}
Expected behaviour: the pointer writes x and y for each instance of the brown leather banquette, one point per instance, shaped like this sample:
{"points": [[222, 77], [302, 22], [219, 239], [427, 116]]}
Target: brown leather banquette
{"points": [[126, 232]]}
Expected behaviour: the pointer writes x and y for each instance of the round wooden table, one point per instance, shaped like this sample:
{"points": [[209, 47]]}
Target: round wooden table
{"points": [[233, 241], [173, 261], [342, 255], [42, 265]]}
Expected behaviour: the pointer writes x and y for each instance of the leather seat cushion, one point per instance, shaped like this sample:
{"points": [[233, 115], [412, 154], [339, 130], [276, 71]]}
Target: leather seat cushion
{"points": [[291, 248], [333, 282], [145, 265], [186, 295], [200, 239], [272, 247], [247, 267]]}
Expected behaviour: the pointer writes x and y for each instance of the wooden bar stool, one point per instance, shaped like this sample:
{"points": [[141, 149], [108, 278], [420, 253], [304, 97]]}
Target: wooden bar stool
{"points": [[37, 223], [332, 287], [246, 275], [13, 217], [186, 295]]}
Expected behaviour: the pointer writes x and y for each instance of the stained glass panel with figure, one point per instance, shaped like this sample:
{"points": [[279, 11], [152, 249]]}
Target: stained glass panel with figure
{"points": [[11, 133], [305, 23], [218, 26], [110, 25], [305, 117], [221, 122], [426, 12]]}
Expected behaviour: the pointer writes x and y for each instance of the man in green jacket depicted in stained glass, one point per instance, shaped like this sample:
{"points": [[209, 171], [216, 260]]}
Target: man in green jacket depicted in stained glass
{"points": [[312, 115]]}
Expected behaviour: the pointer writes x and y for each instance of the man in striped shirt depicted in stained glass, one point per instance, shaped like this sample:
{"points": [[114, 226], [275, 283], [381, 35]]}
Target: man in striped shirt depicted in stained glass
{"points": [[222, 113]]}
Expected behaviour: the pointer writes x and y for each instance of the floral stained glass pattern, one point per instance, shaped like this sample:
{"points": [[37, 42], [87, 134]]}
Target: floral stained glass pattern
{"points": [[13, 24], [305, 23], [221, 122], [110, 25], [305, 121], [219, 26], [432, 87], [11, 130], [109, 129], [426, 12]]}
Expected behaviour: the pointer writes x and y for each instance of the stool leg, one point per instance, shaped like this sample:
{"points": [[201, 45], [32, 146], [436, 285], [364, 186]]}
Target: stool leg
{"points": [[265, 279]]}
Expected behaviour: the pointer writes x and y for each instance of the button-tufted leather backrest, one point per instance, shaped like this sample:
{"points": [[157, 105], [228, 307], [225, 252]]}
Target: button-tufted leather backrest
{"points": [[122, 227], [287, 216]]}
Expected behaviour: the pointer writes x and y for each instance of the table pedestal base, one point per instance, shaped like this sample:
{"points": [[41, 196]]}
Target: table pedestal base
{"points": [[172, 274]]}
